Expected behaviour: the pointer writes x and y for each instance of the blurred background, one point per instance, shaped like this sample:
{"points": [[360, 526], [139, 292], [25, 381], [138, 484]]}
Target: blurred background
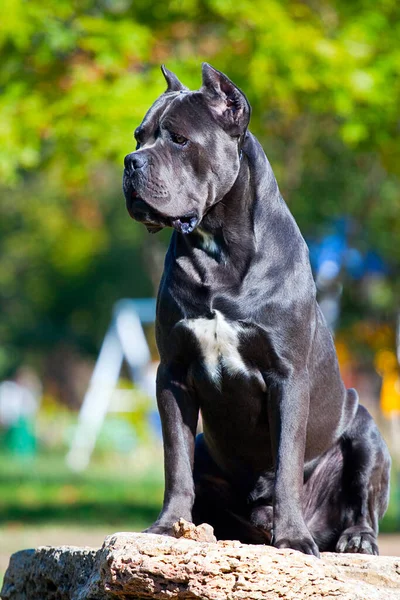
{"points": [[76, 79]]}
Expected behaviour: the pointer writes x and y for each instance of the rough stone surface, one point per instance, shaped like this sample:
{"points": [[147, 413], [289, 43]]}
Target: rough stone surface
{"points": [[137, 566]]}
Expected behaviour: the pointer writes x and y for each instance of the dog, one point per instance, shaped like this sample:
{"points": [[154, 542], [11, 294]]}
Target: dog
{"points": [[287, 456]]}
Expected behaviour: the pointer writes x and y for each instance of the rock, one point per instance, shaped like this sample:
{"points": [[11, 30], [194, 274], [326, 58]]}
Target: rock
{"points": [[200, 533], [137, 566], [53, 573]]}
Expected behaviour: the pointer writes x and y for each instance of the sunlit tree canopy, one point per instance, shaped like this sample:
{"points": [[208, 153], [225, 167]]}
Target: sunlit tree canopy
{"points": [[76, 78]]}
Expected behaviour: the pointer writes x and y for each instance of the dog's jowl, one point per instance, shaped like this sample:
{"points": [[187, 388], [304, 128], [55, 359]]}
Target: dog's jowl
{"points": [[287, 456]]}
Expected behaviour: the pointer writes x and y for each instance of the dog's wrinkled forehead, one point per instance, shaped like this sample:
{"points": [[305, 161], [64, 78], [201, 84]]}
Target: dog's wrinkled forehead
{"points": [[183, 112], [151, 119]]}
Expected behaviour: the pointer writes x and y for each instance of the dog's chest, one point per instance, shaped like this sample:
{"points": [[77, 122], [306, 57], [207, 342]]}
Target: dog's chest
{"points": [[219, 344]]}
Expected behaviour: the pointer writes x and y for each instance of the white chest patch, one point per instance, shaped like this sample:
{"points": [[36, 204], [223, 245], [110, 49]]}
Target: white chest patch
{"points": [[219, 342]]}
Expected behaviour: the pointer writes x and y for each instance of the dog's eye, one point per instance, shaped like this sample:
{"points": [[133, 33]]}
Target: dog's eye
{"points": [[178, 139]]}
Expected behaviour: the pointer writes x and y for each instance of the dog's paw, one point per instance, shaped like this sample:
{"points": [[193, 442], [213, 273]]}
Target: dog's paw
{"points": [[357, 540], [303, 544]]}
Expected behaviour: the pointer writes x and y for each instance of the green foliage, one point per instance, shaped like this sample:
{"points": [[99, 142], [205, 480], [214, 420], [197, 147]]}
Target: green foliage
{"points": [[77, 77]]}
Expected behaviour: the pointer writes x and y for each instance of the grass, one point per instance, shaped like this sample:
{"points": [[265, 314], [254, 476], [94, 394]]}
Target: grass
{"points": [[118, 492], [44, 490]]}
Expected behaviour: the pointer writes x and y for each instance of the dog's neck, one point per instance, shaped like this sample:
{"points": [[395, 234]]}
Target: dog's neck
{"points": [[233, 231], [231, 262]]}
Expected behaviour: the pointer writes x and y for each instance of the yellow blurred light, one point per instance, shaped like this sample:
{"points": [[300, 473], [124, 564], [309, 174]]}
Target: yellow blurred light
{"points": [[385, 361]]}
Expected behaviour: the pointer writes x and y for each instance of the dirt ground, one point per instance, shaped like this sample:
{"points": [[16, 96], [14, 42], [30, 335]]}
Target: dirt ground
{"points": [[13, 538]]}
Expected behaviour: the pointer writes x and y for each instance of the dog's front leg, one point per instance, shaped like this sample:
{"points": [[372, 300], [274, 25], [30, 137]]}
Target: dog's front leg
{"points": [[288, 414], [179, 414]]}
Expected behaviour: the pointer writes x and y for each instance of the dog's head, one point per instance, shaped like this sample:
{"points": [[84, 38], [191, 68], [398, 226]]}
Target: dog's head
{"points": [[188, 152]]}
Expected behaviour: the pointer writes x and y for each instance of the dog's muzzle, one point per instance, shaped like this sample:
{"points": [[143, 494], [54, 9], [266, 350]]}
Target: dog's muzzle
{"points": [[141, 210]]}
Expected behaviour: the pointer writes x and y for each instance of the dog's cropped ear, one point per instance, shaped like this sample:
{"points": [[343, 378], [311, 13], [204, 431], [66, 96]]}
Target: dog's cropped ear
{"points": [[174, 85], [226, 99]]}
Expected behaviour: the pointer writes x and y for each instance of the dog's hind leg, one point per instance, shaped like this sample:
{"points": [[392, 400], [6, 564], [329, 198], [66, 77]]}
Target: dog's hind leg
{"points": [[322, 506], [365, 485], [348, 491]]}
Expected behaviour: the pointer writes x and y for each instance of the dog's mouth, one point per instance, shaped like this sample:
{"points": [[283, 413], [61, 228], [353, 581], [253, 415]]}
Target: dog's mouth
{"points": [[185, 224], [154, 221]]}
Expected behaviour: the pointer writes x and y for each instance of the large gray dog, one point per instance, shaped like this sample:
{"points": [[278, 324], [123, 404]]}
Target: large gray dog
{"points": [[288, 455]]}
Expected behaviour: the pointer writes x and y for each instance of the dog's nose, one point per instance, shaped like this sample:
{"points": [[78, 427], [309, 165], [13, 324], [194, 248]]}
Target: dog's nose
{"points": [[134, 161]]}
